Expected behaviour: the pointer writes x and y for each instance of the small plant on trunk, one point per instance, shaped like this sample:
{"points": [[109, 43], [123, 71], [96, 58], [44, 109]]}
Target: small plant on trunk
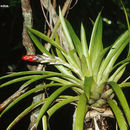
{"points": [[90, 72]]}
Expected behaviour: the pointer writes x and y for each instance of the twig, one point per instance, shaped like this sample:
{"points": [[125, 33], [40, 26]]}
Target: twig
{"points": [[50, 26], [76, 1], [27, 15], [12, 98]]}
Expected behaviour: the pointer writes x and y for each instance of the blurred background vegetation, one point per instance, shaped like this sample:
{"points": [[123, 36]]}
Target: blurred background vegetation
{"points": [[11, 25]]}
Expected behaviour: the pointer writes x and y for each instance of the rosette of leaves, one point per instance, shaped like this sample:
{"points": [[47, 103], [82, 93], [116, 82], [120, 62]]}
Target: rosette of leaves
{"points": [[91, 72]]}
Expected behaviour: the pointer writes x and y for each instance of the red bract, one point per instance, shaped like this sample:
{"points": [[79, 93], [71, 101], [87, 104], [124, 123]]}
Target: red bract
{"points": [[31, 58]]}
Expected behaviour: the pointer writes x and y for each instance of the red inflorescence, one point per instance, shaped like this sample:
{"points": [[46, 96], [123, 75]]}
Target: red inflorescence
{"points": [[31, 58]]}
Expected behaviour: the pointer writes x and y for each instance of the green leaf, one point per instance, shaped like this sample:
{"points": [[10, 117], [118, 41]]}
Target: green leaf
{"points": [[36, 79], [64, 70], [59, 80], [49, 101], [73, 59], [75, 39], [73, 56], [122, 62], [118, 115], [22, 73], [51, 76], [127, 19], [73, 63], [85, 49], [99, 60], [60, 104], [88, 81], [122, 100], [109, 67], [18, 80], [46, 38], [114, 52], [66, 32], [127, 84], [27, 94], [118, 73], [59, 53], [96, 45], [80, 112], [38, 43], [24, 113], [84, 66]]}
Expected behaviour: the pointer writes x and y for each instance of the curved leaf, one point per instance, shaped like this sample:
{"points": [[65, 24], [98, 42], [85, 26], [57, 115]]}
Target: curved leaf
{"points": [[84, 66], [109, 67], [96, 45], [59, 80], [18, 80], [50, 100], [116, 49], [51, 76], [99, 60], [80, 112], [60, 104], [66, 32], [118, 115], [122, 62], [127, 84], [59, 53], [118, 73], [39, 45], [88, 81], [75, 39], [122, 100], [85, 49], [27, 94], [24, 113], [22, 73], [46, 38]]}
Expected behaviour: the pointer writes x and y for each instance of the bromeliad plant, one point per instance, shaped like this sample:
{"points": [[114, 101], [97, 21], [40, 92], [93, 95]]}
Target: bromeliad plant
{"points": [[90, 72]]}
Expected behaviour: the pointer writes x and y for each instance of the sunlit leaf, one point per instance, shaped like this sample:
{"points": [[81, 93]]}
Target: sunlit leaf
{"points": [[27, 94], [118, 114], [118, 73], [122, 99], [127, 84], [96, 45], [122, 62], [80, 112], [46, 38], [22, 73], [88, 81], [84, 66], [99, 60], [75, 39], [39, 45], [59, 53], [50, 100], [113, 54], [24, 113], [85, 49], [66, 32], [18, 80], [60, 104]]}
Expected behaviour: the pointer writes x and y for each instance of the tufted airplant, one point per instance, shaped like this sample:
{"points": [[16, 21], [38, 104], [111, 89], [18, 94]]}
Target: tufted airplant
{"points": [[89, 70]]}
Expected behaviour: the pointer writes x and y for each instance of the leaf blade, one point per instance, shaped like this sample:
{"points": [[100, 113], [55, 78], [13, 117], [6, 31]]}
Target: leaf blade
{"points": [[49, 101], [118, 114], [122, 100], [80, 112]]}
